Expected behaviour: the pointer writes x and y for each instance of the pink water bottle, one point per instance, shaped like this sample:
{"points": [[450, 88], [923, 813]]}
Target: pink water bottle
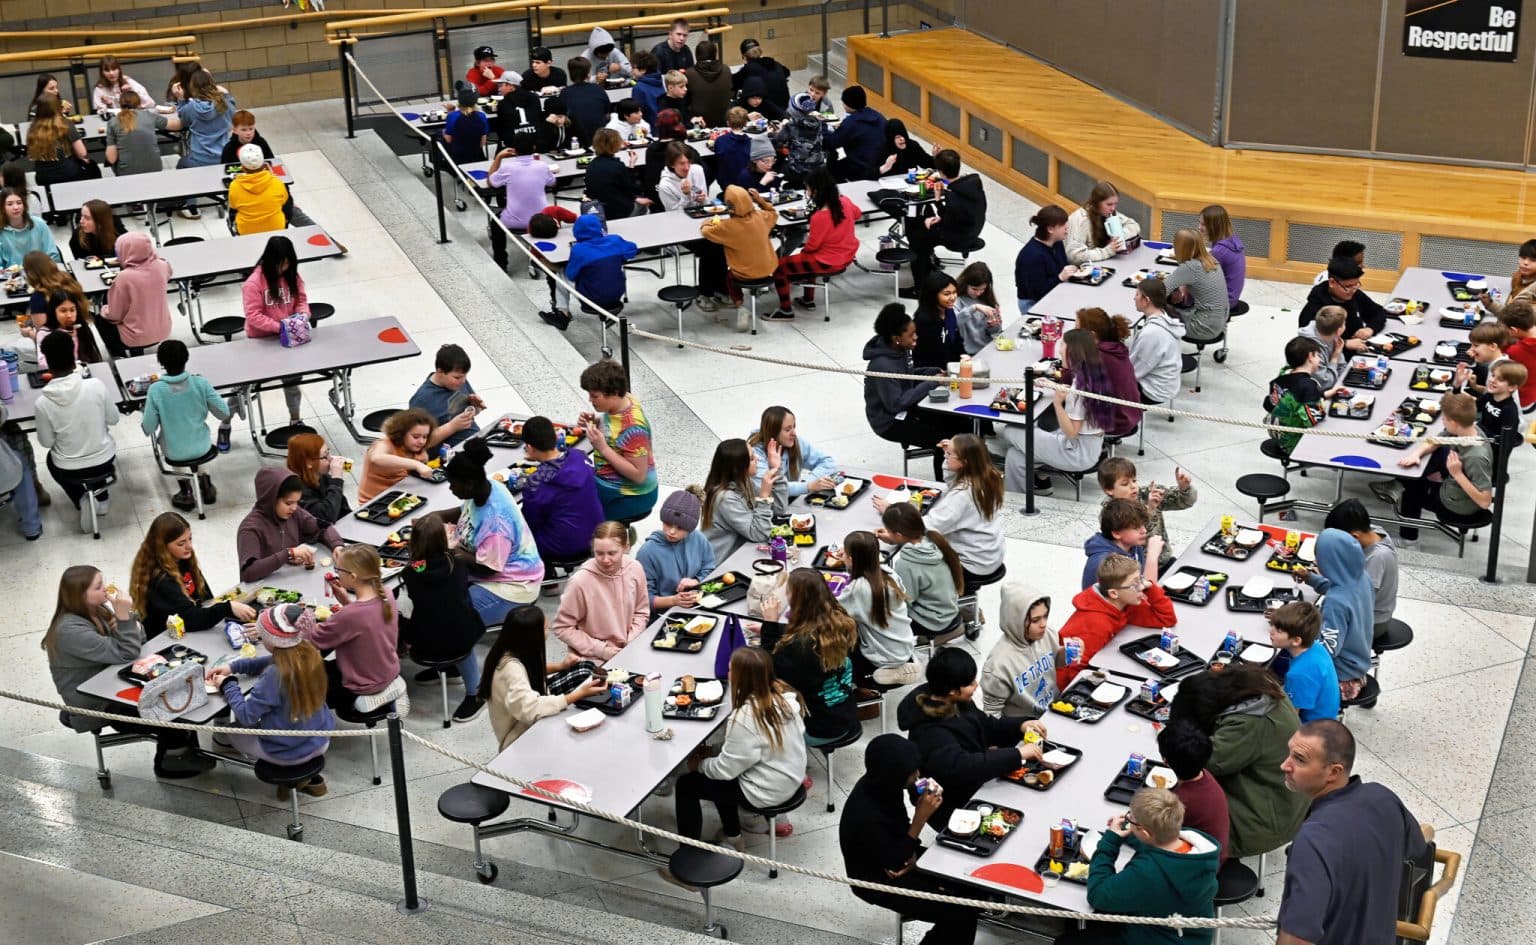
{"points": [[1050, 333]]}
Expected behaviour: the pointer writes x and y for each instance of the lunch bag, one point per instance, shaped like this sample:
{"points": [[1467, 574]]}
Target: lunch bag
{"points": [[732, 638], [293, 330], [171, 695], [767, 578]]}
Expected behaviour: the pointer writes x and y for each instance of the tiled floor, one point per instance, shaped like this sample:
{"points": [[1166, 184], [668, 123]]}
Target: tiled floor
{"points": [[1451, 734]]}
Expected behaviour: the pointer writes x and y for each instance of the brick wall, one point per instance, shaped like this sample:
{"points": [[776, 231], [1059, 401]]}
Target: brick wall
{"points": [[291, 62]]}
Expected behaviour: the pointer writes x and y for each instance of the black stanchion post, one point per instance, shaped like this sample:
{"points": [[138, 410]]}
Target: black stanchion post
{"points": [[346, 90], [412, 903], [1029, 443], [437, 185], [624, 347], [866, 18], [885, 19], [1504, 446]]}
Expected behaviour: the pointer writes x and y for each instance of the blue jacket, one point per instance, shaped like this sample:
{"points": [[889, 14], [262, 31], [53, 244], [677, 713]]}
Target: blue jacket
{"points": [[1097, 548], [1349, 607], [648, 90], [561, 506], [178, 406], [732, 155], [814, 464], [862, 138], [596, 265], [207, 129], [266, 706], [666, 563]]}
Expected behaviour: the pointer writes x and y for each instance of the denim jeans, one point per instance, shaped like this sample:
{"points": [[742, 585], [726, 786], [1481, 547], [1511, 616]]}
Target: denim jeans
{"points": [[1025, 305], [492, 608], [24, 498]]}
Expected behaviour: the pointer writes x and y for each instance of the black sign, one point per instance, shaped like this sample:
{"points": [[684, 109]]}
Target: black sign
{"points": [[1462, 29]]}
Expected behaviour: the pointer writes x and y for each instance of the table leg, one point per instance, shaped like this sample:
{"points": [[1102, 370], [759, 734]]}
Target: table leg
{"points": [[341, 399]]}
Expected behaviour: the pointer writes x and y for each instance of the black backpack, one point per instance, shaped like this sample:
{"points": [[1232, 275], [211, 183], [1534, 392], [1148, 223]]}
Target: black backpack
{"points": [[803, 140]]}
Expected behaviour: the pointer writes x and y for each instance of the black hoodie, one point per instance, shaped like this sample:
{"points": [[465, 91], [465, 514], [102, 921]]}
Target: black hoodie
{"points": [[873, 832], [962, 214], [443, 623], [768, 108], [884, 398], [773, 75], [910, 158], [959, 745]]}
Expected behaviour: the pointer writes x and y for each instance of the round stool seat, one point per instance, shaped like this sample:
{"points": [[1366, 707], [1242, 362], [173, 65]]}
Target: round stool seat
{"points": [[357, 717], [784, 807], [1398, 635], [278, 439], [977, 246], [842, 741], [703, 869], [1189, 363], [974, 581], [1262, 486], [895, 256], [678, 294], [203, 460], [374, 421], [1273, 450], [289, 775], [91, 483], [437, 663], [320, 311], [472, 804], [225, 326], [1235, 883], [567, 565], [1369, 693], [744, 283]]}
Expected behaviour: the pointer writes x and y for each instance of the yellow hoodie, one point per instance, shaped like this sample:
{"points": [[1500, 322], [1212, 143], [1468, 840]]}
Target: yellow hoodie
{"points": [[257, 197], [745, 234]]}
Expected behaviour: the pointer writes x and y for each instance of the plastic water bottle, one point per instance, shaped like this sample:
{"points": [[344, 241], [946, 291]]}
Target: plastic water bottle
{"points": [[10, 376]]}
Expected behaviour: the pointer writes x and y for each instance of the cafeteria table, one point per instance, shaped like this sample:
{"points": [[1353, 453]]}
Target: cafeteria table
{"points": [[1027, 351], [1112, 295], [1430, 285], [151, 189]]}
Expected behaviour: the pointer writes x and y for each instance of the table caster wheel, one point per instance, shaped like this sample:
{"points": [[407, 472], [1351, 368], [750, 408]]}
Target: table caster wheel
{"points": [[459, 204], [295, 833], [427, 170], [487, 876], [105, 780], [1221, 356]]}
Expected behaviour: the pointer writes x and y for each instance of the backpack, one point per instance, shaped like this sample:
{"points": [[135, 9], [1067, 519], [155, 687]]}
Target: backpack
{"points": [[1290, 412], [803, 137]]}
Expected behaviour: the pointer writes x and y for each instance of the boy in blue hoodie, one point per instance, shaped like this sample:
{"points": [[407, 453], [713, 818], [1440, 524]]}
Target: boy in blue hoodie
{"points": [[595, 268], [177, 408], [1348, 608], [648, 89], [1122, 531], [677, 558]]}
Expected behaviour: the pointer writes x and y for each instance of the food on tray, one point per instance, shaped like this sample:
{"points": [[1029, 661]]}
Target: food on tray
{"points": [[1160, 777], [1077, 870], [1249, 537], [838, 502], [964, 822], [1044, 778], [1159, 657], [1258, 586], [268, 596], [709, 692], [1361, 406], [1063, 706], [688, 684], [850, 486], [1058, 758], [322, 612], [802, 523], [834, 557], [699, 626]]}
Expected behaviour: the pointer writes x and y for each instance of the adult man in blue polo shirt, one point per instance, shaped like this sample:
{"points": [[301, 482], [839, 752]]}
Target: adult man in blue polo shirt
{"points": [[1346, 864]]}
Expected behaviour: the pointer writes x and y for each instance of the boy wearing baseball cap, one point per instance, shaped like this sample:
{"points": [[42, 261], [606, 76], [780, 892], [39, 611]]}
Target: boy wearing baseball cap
{"points": [[484, 73]]}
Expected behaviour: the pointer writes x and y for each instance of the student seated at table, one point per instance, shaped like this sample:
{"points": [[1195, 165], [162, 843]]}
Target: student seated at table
{"points": [[46, 278], [611, 181], [560, 501], [890, 405], [1042, 261], [681, 185], [938, 327], [18, 478], [759, 173], [962, 747], [492, 538], [519, 112], [1520, 318], [56, 146], [1111, 333], [761, 762], [1172, 872], [1311, 681], [1326, 332], [880, 843], [73, 414], [595, 267], [742, 497], [137, 315], [517, 688], [1249, 719], [442, 623], [273, 293], [976, 308], [971, 517], [167, 581], [1457, 483], [605, 605], [1117, 477], [321, 471], [675, 96], [1486, 342], [176, 410], [1348, 607], [1498, 408], [813, 652], [556, 131], [21, 232], [1365, 316], [1077, 443], [96, 231], [1120, 597], [676, 557], [483, 74], [607, 58], [860, 136], [133, 145], [802, 139], [902, 152], [733, 150], [620, 436], [1019, 676], [111, 83], [289, 693], [48, 87], [92, 630], [1295, 398], [670, 129], [804, 468], [409, 437], [1380, 560], [542, 73], [955, 224], [66, 314], [258, 199], [243, 132], [447, 394], [929, 569], [584, 102], [745, 234], [648, 89], [877, 601], [1343, 249], [1097, 230], [753, 98], [628, 120], [1157, 349], [363, 634], [829, 248], [1197, 290], [466, 130], [1227, 249], [276, 532], [1522, 284], [1122, 531], [1186, 750], [710, 86]]}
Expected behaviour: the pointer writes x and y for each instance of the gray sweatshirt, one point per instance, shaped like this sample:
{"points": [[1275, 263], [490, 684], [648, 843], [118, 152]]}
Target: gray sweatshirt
{"points": [[976, 539], [887, 646], [1331, 372], [80, 653], [767, 775], [1157, 357], [1019, 678], [737, 519], [975, 333], [932, 600], [10, 464]]}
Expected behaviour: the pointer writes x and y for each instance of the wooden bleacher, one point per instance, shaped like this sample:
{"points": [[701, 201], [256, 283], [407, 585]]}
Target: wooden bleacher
{"points": [[1050, 136]]}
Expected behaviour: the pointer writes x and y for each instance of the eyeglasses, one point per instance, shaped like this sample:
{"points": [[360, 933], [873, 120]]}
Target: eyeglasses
{"points": [[1135, 585], [343, 571], [1130, 820], [1347, 286]]}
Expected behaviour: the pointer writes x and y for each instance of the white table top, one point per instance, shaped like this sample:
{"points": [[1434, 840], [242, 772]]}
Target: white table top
{"points": [[1429, 285], [1026, 352], [149, 188], [1365, 455], [1111, 295], [217, 257], [92, 127], [617, 761]]}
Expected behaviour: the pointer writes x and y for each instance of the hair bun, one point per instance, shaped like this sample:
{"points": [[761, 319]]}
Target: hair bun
{"points": [[477, 450]]}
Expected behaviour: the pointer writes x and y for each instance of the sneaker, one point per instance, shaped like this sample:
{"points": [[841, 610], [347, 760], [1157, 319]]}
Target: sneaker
{"points": [[868, 713], [189, 213], [707, 303], [907, 293], [185, 765], [184, 500], [782, 315], [469, 710], [85, 516], [743, 321], [754, 823], [430, 676], [807, 782], [1044, 485], [210, 494], [666, 874], [666, 787], [783, 828], [556, 318], [315, 787], [808, 304], [102, 506], [737, 843], [904, 675], [223, 440], [1387, 490]]}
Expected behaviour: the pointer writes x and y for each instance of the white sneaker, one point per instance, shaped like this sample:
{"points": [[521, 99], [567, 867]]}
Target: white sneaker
{"points": [[707, 303], [102, 505], [743, 321], [737, 843], [753, 823], [85, 515]]}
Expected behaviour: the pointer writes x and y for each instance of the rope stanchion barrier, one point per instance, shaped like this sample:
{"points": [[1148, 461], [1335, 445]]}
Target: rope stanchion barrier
{"points": [[981, 905]]}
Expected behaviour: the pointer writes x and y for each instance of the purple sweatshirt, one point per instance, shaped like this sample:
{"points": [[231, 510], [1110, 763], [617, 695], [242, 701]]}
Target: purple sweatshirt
{"points": [[561, 506], [1234, 265], [267, 706], [263, 540], [365, 644]]}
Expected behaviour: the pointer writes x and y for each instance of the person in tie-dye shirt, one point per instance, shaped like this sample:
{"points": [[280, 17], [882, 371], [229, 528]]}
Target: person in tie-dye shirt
{"points": [[492, 538], [621, 443]]}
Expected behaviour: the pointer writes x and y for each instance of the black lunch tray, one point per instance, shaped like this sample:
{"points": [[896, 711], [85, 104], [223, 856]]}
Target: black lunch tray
{"points": [[400, 555], [1415, 431], [694, 712], [826, 495], [1078, 695], [1339, 407], [1421, 375], [1459, 291], [1279, 562], [564, 682], [980, 844], [128, 675], [1105, 272], [1151, 711], [1462, 356], [701, 212], [1130, 283], [1239, 604], [376, 512], [1125, 786], [782, 520], [1356, 377], [1183, 596], [1221, 548], [1400, 343], [496, 436], [1459, 321], [686, 642], [820, 562], [1074, 854], [1409, 409], [1242, 644], [731, 592], [1187, 664], [1034, 767]]}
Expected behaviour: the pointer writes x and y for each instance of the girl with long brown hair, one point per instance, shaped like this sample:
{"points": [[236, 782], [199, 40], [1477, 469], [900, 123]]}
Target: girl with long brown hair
{"points": [[734, 512], [443, 624], [969, 515], [1078, 440], [1522, 285], [112, 83], [929, 569], [762, 760], [206, 114], [93, 628], [516, 685], [1197, 290], [1228, 250], [48, 87], [96, 231], [56, 147], [803, 467], [877, 602], [364, 632], [1112, 331], [1098, 230], [321, 471], [167, 581], [813, 653], [289, 693]]}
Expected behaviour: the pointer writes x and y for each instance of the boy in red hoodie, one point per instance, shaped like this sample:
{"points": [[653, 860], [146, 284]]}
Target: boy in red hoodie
{"points": [[1519, 316], [1120, 597]]}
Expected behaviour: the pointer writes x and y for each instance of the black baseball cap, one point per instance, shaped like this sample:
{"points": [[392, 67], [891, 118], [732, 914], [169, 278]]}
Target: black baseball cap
{"points": [[541, 54], [484, 52], [747, 45]]}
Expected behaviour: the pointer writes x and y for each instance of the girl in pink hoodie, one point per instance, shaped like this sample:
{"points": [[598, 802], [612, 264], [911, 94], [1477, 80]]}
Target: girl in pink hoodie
{"points": [[273, 292], [605, 605], [137, 315]]}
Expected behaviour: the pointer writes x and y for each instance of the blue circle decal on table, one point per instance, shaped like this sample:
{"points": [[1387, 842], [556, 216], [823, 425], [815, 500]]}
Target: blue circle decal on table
{"points": [[1348, 459], [478, 175], [410, 116], [545, 246], [978, 410]]}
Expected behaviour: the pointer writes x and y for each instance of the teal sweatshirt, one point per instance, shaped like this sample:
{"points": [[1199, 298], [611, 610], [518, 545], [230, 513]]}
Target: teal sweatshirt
{"points": [[1156, 882], [178, 406]]}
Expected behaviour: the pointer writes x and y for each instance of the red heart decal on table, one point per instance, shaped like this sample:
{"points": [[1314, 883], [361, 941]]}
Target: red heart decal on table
{"points": [[319, 239], [280, 171], [131, 694], [393, 336], [570, 790], [1010, 874], [895, 482]]}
